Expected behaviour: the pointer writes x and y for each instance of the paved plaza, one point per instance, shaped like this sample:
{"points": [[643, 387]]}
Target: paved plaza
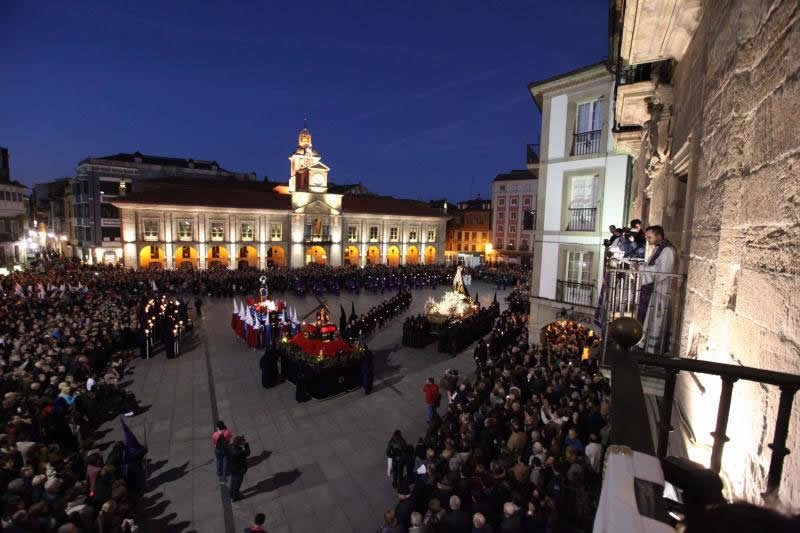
{"points": [[315, 463]]}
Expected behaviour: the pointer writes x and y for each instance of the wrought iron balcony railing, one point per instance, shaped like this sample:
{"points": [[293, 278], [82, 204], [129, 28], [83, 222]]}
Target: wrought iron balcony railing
{"points": [[582, 219], [587, 142], [572, 292]]}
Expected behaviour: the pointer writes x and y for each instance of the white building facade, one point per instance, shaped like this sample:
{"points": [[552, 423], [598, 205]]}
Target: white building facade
{"points": [[188, 224], [582, 191]]}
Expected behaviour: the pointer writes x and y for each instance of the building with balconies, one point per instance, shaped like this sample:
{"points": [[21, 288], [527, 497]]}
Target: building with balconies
{"points": [[13, 220], [468, 232], [582, 190], [514, 199]]}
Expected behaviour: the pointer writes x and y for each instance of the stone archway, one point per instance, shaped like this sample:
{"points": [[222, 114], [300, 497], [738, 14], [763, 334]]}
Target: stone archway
{"points": [[316, 255], [152, 258], [393, 256], [351, 256], [247, 258], [186, 258], [217, 257], [430, 255], [373, 255], [412, 255], [276, 256]]}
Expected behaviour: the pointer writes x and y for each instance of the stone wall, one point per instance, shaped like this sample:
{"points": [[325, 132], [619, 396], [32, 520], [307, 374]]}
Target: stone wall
{"points": [[735, 108]]}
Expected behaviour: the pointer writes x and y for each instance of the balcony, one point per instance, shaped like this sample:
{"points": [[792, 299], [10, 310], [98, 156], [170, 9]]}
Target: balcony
{"points": [[582, 219], [573, 292], [532, 154], [317, 238], [587, 142]]}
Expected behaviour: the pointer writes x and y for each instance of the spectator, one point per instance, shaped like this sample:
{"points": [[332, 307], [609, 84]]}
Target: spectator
{"points": [[480, 525], [258, 524], [432, 397], [221, 440], [390, 524], [239, 452], [594, 454], [456, 520]]}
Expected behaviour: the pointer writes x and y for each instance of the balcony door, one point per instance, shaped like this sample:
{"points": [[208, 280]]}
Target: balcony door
{"points": [[588, 128], [579, 287], [582, 208]]}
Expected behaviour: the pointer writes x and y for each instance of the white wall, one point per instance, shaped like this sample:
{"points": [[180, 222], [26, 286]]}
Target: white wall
{"points": [[556, 137]]}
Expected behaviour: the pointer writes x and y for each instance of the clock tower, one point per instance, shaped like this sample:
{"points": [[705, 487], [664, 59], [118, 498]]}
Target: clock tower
{"points": [[307, 162]]}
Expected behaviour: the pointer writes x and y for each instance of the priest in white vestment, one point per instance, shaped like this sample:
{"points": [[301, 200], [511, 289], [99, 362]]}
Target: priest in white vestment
{"points": [[656, 286]]}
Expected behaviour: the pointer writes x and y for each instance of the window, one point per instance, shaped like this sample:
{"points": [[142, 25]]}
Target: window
{"points": [[276, 231], [431, 235], [502, 188], [154, 250], [352, 233], [215, 252], [110, 234], [186, 252], [109, 187], [528, 220], [393, 232], [108, 211], [513, 215], [510, 245], [499, 244], [412, 234], [583, 192], [589, 116], [483, 235], [150, 229], [523, 244], [501, 202], [513, 202], [500, 229], [459, 236], [473, 247], [373, 233], [579, 267], [501, 215], [217, 231], [512, 229], [526, 201], [247, 231], [184, 230]]}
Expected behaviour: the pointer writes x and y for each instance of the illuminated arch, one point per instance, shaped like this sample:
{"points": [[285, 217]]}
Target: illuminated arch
{"points": [[316, 255], [412, 255], [186, 257], [152, 258], [373, 255], [430, 255], [276, 256], [247, 257], [217, 257], [393, 256], [351, 255]]}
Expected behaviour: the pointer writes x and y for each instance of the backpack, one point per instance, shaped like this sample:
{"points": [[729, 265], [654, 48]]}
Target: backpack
{"points": [[222, 443]]}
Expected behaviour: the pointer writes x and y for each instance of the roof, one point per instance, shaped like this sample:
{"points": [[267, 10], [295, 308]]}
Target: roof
{"points": [[517, 175], [585, 70], [196, 164], [388, 205], [229, 194]]}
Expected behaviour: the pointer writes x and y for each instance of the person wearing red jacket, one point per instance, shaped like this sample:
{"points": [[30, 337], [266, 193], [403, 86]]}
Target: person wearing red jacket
{"points": [[432, 397]]}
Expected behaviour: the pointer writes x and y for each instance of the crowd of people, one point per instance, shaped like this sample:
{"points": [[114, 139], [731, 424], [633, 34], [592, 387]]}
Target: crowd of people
{"points": [[66, 337], [518, 446], [361, 326]]}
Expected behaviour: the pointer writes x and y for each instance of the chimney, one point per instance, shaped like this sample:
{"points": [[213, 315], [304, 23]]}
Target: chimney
{"points": [[5, 173]]}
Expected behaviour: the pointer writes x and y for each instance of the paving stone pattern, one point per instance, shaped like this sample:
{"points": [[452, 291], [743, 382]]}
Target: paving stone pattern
{"points": [[315, 463]]}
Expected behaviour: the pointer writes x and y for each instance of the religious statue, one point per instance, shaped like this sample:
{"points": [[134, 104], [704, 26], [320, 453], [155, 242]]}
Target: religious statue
{"points": [[317, 226]]}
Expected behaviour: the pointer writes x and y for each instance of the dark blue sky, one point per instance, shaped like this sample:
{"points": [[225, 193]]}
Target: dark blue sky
{"points": [[415, 99]]}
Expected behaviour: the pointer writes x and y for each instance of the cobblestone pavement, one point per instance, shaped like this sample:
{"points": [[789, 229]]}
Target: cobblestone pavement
{"points": [[315, 463]]}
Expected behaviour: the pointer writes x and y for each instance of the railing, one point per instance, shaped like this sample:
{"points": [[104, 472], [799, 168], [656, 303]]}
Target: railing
{"points": [[528, 220], [649, 297], [510, 246], [587, 142], [532, 154], [523, 248], [635, 74], [572, 292], [627, 403], [323, 238], [582, 219]]}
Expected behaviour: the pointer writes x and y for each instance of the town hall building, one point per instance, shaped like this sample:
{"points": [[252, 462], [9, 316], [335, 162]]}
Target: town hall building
{"points": [[180, 222]]}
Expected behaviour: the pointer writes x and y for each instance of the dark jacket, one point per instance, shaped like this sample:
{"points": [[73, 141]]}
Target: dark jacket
{"points": [[238, 458], [456, 522]]}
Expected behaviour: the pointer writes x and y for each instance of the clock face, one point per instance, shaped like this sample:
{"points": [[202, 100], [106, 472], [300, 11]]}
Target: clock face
{"points": [[316, 179]]}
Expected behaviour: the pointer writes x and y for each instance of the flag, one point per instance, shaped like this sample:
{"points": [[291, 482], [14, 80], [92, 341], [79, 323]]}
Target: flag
{"points": [[129, 438]]}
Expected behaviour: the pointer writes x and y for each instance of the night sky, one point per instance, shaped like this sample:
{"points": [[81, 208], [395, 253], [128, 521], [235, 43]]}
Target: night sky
{"points": [[415, 99]]}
